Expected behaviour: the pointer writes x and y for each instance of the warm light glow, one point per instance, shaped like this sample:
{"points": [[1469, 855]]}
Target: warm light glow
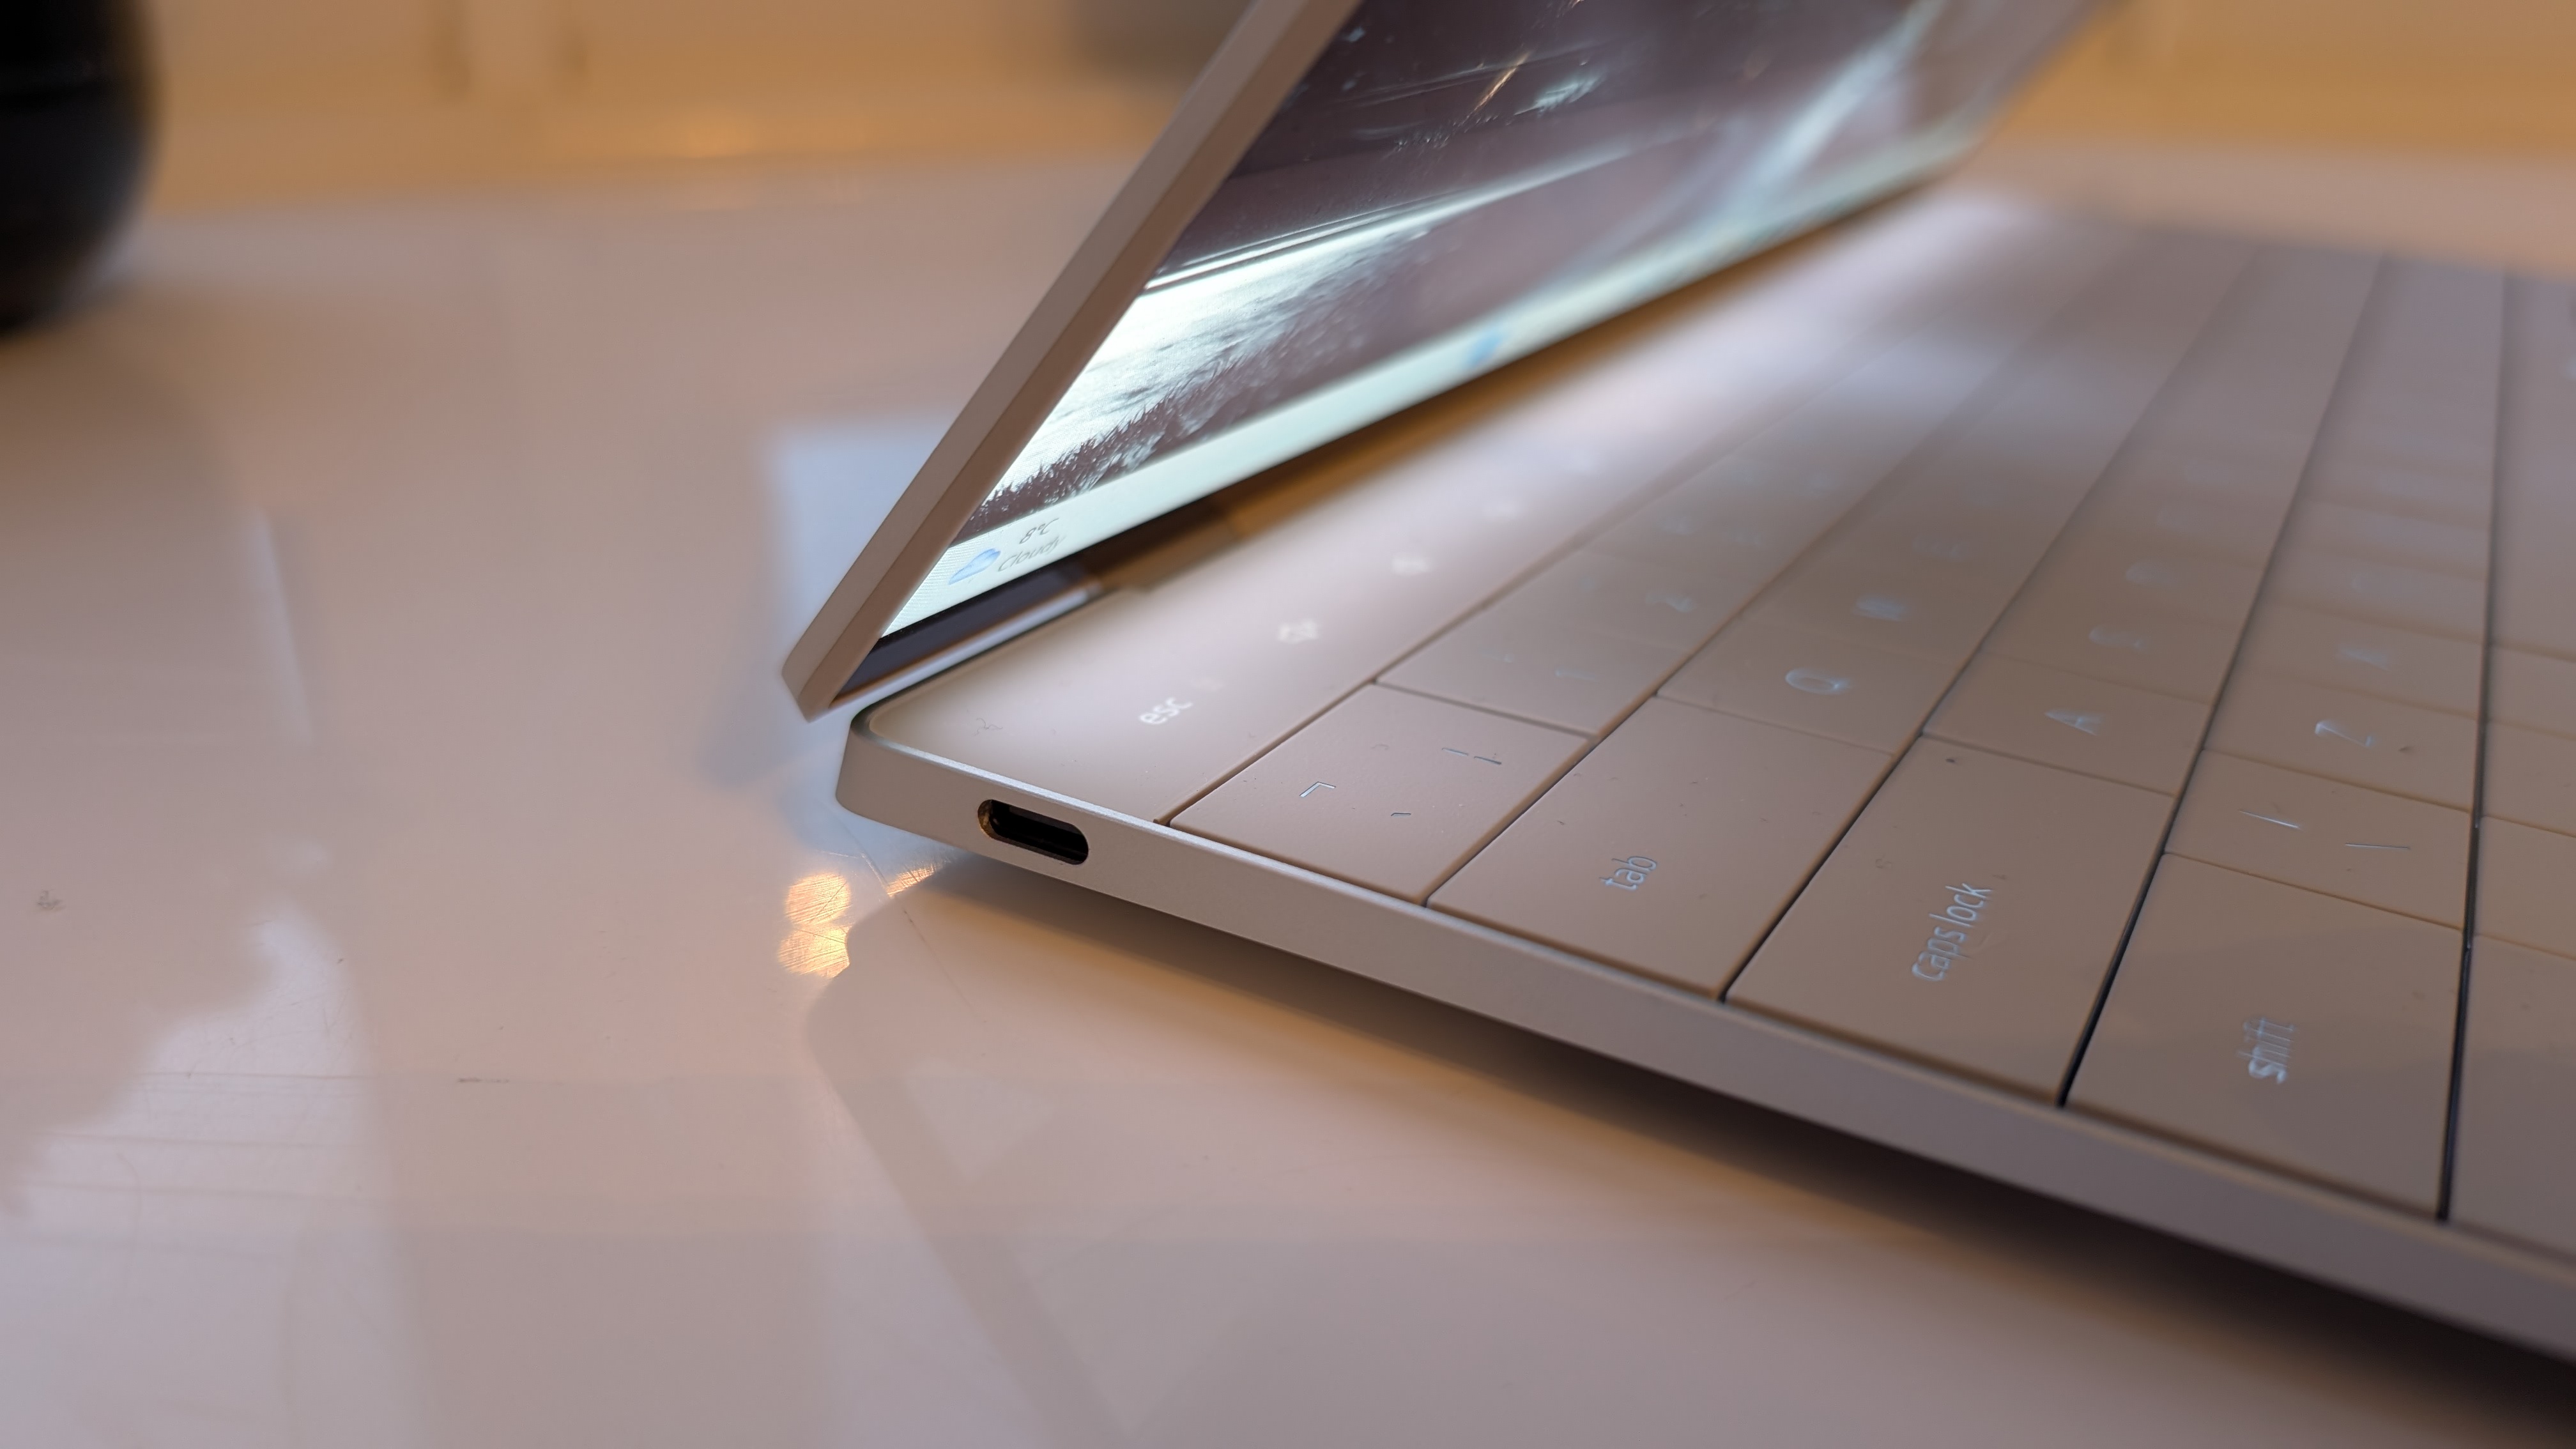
{"points": [[908, 879], [824, 952], [818, 899], [819, 946]]}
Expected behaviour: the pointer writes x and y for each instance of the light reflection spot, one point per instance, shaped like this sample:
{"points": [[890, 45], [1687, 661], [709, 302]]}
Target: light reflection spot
{"points": [[821, 952], [818, 899]]}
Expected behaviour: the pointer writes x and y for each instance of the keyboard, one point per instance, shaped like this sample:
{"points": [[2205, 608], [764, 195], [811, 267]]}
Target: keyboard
{"points": [[2130, 671]]}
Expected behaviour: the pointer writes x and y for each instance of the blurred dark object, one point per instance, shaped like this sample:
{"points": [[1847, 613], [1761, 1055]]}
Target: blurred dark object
{"points": [[75, 116]]}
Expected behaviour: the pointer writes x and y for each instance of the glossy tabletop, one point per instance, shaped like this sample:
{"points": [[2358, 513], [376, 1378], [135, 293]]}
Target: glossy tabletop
{"points": [[440, 1002]]}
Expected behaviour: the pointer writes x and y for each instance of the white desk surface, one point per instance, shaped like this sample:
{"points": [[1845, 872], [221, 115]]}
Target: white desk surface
{"points": [[408, 843]]}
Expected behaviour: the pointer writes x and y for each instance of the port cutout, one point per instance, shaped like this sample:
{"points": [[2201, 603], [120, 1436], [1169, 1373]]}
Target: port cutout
{"points": [[1031, 831]]}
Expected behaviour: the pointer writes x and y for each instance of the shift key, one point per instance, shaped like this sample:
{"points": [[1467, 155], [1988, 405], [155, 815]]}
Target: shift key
{"points": [[1969, 917]]}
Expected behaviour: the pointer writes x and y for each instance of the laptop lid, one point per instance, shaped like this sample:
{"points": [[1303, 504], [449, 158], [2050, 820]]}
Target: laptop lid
{"points": [[1361, 205]]}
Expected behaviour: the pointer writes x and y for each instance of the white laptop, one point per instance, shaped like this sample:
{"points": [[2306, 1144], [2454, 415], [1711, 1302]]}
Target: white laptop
{"points": [[2094, 706]]}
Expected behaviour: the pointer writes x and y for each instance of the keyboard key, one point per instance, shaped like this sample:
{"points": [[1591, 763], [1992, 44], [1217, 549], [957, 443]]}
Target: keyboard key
{"points": [[1140, 702], [2531, 778], [2408, 598], [2367, 658], [2532, 691], [2512, 1174], [2351, 737], [1905, 611], [2535, 606], [2305, 1033], [1813, 682], [2403, 487], [1575, 679], [2323, 835], [1937, 542], [1602, 592], [2236, 530], [2115, 574], [2181, 474], [1672, 846], [2065, 628], [2535, 594], [2285, 335], [2332, 528], [2523, 886], [1387, 790], [1722, 525], [2109, 731], [1968, 918]]}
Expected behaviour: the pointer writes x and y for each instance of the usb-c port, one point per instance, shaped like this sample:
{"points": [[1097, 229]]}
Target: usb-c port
{"points": [[1030, 831]]}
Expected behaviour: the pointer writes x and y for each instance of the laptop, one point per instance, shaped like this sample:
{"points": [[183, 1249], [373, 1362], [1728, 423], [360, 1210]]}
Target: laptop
{"points": [[1539, 505]]}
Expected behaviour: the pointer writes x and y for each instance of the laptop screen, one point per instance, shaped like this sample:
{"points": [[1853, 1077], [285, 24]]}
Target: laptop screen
{"points": [[1455, 183]]}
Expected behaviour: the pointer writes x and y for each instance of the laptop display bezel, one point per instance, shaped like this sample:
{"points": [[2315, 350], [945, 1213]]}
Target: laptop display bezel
{"points": [[1265, 54]]}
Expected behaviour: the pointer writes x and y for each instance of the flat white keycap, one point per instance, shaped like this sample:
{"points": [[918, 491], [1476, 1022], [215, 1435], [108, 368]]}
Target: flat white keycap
{"points": [[2389, 485], [1589, 589], [2535, 595], [1905, 611], [2238, 530], [2011, 491], [2394, 538], [1672, 846], [2265, 384], [2115, 572], [2408, 598], [2399, 748], [1814, 682], [2512, 1173], [2110, 731], [1968, 917], [1141, 701], [2535, 604], [1849, 435], [1725, 524], [2527, 886], [2531, 778], [2302, 830], [1387, 790], [2533, 691], [1997, 553], [2305, 1033], [2367, 658], [1555, 674], [2067, 628], [2259, 479]]}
